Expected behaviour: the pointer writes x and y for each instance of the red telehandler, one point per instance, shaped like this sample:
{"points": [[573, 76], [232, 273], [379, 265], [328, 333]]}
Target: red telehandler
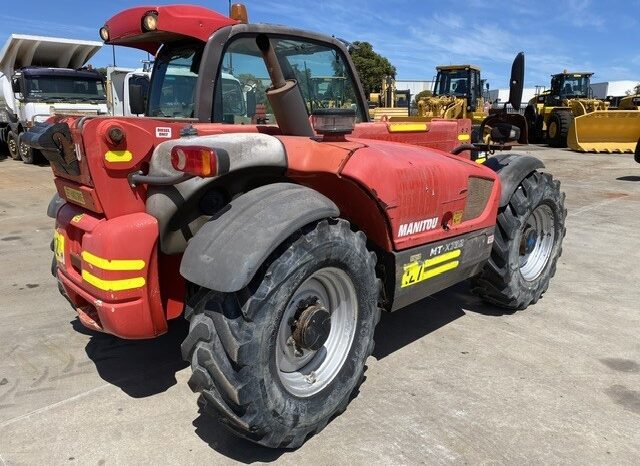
{"points": [[280, 234]]}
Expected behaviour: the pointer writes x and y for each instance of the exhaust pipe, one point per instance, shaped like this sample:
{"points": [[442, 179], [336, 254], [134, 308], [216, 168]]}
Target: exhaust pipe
{"points": [[284, 96]]}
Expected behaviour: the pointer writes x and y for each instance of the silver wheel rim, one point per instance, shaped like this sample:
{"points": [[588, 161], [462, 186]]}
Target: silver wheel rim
{"points": [[24, 150], [305, 374], [536, 242], [12, 146]]}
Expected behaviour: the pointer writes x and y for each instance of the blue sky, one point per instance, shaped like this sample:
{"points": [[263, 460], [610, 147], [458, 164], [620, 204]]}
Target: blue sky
{"points": [[585, 35]]}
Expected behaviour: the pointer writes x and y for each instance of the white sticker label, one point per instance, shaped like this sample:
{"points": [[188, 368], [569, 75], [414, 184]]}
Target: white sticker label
{"points": [[490, 239], [164, 133], [417, 227]]}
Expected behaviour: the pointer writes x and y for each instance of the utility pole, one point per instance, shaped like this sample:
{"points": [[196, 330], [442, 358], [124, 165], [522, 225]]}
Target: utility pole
{"points": [[113, 49]]}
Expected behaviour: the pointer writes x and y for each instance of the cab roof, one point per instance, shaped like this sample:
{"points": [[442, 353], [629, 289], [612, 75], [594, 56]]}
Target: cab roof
{"points": [[456, 67], [569, 73], [174, 22]]}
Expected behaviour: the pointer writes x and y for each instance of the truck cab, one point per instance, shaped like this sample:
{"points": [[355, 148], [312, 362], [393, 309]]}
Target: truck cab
{"points": [[41, 77]]}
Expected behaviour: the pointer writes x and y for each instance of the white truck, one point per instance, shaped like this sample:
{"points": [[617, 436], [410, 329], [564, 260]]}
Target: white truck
{"points": [[43, 76], [121, 83]]}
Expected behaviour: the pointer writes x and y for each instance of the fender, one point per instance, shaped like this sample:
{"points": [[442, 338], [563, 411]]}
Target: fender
{"points": [[169, 204], [228, 250], [512, 169], [55, 205]]}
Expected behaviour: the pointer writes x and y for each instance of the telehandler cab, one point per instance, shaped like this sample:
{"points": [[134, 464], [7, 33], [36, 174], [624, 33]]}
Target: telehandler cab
{"points": [[280, 243]]}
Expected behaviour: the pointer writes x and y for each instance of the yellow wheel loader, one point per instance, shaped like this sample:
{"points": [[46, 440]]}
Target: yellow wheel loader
{"points": [[458, 93], [568, 116]]}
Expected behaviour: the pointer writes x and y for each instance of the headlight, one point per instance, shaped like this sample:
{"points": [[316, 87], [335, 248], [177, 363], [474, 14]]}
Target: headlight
{"points": [[150, 21], [104, 34]]}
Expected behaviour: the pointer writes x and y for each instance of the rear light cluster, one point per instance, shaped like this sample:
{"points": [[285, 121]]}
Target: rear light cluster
{"points": [[195, 160]]}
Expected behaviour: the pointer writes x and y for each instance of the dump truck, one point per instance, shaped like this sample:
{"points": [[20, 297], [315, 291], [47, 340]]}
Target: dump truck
{"points": [[281, 243], [567, 115], [121, 84], [42, 76]]}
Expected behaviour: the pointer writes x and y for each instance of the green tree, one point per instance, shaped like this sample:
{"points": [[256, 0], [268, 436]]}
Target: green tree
{"points": [[421, 95], [371, 66], [102, 71]]}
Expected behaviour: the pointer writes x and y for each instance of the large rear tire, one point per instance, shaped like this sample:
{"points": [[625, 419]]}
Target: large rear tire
{"points": [[558, 129], [527, 245], [252, 354], [13, 144]]}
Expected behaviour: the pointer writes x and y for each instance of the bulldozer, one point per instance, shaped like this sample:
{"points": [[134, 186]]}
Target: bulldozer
{"points": [[567, 115]]}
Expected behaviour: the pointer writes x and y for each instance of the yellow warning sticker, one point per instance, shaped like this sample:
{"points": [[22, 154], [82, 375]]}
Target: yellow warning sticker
{"points": [[58, 246], [417, 272], [457, 217], [74, 195], [77, 218]]}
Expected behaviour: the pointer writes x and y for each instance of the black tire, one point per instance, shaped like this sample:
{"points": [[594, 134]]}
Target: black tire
{"points": [[558, 128], [533, 133], [501, 281], [27, 154], [13, 144], [636, 156], [232, 340]]}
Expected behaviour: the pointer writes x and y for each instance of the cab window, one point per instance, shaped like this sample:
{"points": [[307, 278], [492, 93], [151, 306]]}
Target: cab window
{"points": [[321, 72]]}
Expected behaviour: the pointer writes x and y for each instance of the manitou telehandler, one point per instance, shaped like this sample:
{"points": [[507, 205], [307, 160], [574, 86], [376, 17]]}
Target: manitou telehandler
{"points": [[279, 243]]}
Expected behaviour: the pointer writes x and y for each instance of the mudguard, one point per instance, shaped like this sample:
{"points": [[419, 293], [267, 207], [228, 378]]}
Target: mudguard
{"points": [[55, 205], [228, 250], [512, 169]]}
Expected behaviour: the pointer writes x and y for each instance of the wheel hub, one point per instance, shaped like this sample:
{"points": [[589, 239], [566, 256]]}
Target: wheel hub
{"points": [[530, 240], [311, 330]]}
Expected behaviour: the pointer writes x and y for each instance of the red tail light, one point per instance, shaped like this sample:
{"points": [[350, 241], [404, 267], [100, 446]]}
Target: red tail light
{"points": [[195, 160]]}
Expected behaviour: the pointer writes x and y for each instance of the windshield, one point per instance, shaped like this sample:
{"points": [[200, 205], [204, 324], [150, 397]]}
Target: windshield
{"points": [[174, 82], [575, 85], [64, 88], [453, 82]]}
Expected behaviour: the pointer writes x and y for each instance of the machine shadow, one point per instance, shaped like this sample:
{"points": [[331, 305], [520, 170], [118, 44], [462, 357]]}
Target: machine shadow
{"points": [[628, 178], [140, 368], [399, 329]]}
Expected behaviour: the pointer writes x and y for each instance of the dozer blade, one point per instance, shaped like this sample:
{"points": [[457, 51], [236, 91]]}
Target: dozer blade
{"points": [[613, 131]]}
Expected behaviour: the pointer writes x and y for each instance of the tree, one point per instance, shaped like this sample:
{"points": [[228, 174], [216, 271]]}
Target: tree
{"points": [[421, 95], [102, 71], [371, 66]]}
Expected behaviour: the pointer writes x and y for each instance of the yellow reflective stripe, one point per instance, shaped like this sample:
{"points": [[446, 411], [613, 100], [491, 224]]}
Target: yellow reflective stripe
{"points": [[407, 127], [115, 264], [113, 285], [417, 272], [116, 156], [463, 137], [430, 273], [442, 258]]}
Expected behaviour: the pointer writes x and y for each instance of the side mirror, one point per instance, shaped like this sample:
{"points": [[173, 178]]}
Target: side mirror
{"points": [[251, 103], [15, 86], [137, 99], [516, 84], [503, 133]]}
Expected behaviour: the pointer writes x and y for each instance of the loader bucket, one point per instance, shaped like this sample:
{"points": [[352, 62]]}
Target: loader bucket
{"points": [[613, 131]]}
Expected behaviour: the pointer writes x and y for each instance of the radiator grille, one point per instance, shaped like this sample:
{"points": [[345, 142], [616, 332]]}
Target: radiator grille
{"points": [[479, 191]]}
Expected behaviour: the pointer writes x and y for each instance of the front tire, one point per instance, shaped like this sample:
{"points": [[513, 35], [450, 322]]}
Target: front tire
{"points": [[527, 244], [558, 129], [257, 370]]}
